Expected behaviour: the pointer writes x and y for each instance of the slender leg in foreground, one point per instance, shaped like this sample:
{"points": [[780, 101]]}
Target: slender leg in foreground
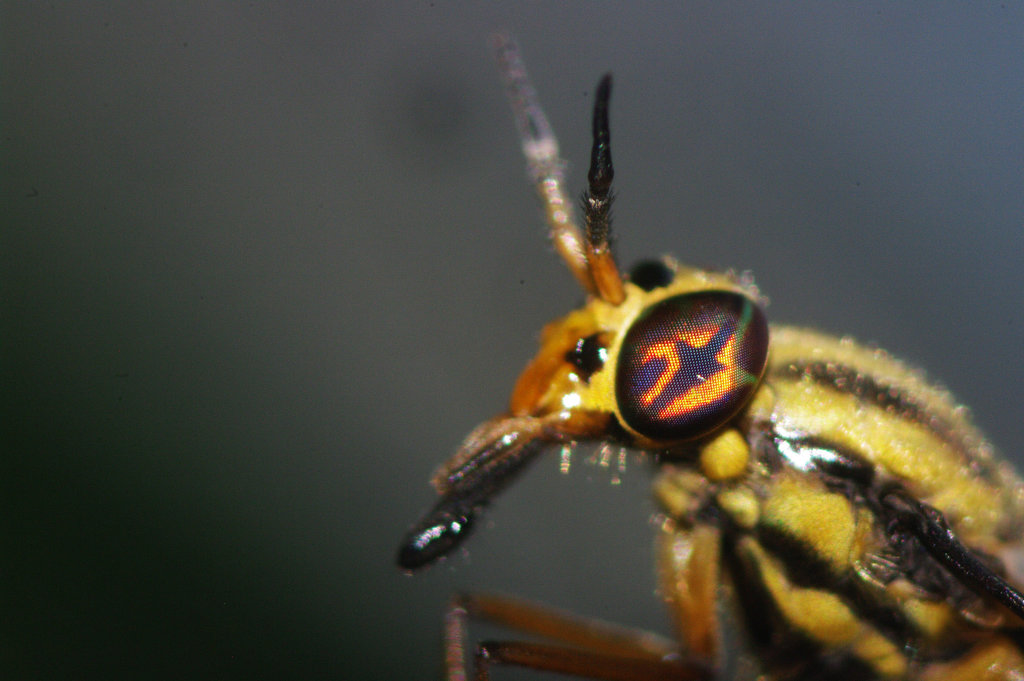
{"points": [[579, 646]]}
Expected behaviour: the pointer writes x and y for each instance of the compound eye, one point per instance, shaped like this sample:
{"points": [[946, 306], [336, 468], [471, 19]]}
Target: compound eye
{"points": [[689, 363]]}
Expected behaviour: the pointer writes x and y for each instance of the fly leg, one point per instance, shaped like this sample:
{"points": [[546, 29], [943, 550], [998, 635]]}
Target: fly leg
{"points": [[574, 645]]}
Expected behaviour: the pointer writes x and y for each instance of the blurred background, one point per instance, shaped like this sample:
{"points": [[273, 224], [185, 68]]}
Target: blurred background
{"points": [[262, 266]]}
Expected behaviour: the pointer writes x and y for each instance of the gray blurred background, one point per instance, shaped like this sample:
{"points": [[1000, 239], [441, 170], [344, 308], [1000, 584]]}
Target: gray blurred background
{"points": [[263, 266]]}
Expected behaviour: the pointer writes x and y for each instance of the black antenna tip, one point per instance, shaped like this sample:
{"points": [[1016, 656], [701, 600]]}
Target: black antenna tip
{"points": [[601, 172]]}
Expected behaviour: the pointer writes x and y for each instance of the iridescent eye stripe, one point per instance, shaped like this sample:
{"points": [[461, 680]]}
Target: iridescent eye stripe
{"points": [[715, 387], [668, 352]]}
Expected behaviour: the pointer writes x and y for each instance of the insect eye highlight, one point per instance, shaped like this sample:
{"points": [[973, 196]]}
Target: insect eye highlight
{"points": [[689, 363], [588, 355]]}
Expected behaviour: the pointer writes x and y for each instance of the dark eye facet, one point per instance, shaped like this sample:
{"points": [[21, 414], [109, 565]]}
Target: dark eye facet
{"points": [[587, 356], [651, 274], [689, 363]]}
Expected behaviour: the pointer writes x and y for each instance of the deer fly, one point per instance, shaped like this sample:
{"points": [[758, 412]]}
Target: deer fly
{"points": [[846, 508]]}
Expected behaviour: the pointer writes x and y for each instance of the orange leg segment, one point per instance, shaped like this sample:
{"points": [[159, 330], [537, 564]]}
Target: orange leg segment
{"points": [[576, 646]]}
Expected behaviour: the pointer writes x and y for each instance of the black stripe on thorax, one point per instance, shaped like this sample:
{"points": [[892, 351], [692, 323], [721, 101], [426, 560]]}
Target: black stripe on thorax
{"points": [[891, 398], [842, 471], [803, 569]]}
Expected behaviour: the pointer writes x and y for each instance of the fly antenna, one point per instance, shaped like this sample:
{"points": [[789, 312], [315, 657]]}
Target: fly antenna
{"points": [[597, 202], [545, 166]]}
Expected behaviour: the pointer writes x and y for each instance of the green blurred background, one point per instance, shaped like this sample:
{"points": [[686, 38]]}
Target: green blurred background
{"points": [[262, 266]]}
